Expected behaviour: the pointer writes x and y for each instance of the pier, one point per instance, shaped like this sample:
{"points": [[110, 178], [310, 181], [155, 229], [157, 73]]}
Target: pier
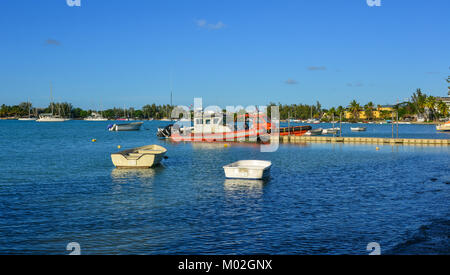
{"points": [[364, 140]]}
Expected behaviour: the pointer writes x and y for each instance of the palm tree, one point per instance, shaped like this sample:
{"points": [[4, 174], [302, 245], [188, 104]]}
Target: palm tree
{"points": [[319, 108], [418, 100], [448, 81], [368, 110], [442, 108], [332, 111], [430, 103], [354, 109]]}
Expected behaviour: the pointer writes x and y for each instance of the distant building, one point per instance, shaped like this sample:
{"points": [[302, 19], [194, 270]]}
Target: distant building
{"points": [[445, 99]]}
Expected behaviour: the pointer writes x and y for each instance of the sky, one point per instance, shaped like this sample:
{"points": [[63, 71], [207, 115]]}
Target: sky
{"points": [[108, 53]]}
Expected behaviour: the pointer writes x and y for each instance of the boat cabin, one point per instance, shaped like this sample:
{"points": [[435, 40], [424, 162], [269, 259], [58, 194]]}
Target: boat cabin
{"points": [[217, 123]]}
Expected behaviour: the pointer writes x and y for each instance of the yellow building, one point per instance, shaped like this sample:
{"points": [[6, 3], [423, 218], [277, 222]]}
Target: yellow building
{"points": [[377, 113]]}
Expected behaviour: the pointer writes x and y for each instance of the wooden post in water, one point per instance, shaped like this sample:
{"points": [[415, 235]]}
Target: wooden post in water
{"points": [[392, 122], [289, 126], [398, 106]]}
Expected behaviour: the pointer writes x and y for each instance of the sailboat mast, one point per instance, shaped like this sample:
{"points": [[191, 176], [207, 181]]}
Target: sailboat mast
{"points": [[51, 97], [171, 89]]}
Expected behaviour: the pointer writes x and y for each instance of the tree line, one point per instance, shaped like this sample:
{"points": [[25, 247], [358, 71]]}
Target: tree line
{"points": [[419, 105], [67, 110]]}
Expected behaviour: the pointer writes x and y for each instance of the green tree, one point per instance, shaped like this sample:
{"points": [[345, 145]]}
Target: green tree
{"points": [[442, 108], [418, 100], [368, 110], [354, 108], [430, 104]]}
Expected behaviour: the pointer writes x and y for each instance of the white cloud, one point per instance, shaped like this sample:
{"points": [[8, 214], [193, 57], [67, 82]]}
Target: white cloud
{"points": [[317, 68], [291, 81], [204, 24], [201, 23]]}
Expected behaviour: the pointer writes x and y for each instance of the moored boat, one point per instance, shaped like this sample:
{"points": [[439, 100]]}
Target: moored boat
{"points": [[314, 132], [255, 126], [27, 119], [247, 169], [95, 117], [140, 157], [358, 129], [133, 126], [331, 131], [50, 118], [443, 127]]}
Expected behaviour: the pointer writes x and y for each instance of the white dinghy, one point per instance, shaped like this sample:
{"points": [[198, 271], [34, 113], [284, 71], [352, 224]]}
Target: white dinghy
{"points": [[247, 169]]}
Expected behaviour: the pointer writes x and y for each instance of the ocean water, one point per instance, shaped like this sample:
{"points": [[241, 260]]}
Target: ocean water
{"points": [[57, 187]]}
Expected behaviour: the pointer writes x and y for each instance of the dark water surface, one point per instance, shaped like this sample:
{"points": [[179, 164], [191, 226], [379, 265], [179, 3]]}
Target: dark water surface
{"points": [[57, 187]]}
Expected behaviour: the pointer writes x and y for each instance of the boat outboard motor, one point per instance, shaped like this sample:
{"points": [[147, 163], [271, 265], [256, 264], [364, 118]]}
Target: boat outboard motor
{"points": [[165, 132]]}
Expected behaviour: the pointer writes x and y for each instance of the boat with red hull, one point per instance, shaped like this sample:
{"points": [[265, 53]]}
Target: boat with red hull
{"points": [[248, 127]]}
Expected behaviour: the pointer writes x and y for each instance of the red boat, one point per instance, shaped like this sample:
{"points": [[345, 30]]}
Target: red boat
{"points": [[248, 127]]}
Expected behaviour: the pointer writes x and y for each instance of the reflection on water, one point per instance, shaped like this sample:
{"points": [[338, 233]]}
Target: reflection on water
{"points": [[222, 145], [124, 175], [208, 146], [239, 187]]}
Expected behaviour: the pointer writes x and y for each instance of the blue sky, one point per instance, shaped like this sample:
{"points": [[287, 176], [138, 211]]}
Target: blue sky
{"points": [[127, 53]]}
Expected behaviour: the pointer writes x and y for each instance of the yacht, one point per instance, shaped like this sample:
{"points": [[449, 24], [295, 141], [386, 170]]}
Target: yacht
{"points": [[29, 118], [50, 118], [95, 117]]}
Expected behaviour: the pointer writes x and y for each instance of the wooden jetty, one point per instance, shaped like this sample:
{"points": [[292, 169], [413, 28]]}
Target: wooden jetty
{"points": [[364, 140]]}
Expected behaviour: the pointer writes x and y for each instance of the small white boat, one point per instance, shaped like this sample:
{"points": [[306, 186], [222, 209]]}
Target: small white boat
{"points": [[247, 169], [140, 157], [133, 126], [443, 127], [314, 132], [331, 131], [27, 119], [358, 129]]}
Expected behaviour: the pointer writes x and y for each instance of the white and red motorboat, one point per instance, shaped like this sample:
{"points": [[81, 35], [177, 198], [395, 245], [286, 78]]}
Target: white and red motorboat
{"points": [[251, 127]]}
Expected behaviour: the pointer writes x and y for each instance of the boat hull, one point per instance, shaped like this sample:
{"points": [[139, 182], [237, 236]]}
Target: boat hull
{"points": [[139, 158], [443, 127], [248, 169], [96, 119], [135, 126], [314, 132], [250, 135], [27, 119], [51, 120]]}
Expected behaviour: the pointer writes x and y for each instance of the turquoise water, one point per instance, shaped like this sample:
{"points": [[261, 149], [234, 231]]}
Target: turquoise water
{"points": [[57, 187]]}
